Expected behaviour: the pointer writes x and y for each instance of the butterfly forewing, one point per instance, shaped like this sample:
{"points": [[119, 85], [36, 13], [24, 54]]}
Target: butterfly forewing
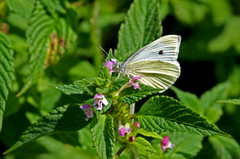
{"points": [[165, 48]]}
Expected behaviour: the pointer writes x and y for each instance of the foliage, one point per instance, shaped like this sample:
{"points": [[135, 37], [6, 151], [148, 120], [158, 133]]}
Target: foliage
{"points": [[50, 65]]}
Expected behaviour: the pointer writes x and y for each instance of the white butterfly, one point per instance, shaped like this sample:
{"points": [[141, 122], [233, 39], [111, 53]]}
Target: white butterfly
{"points": [[156, 63]]}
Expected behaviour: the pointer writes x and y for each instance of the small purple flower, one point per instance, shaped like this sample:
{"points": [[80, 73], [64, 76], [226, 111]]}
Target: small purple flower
{"points": [[100, 99], [109, 65], [166, 144], [131, 138], [122, 131], [88, 111], [136, 124], [135, 85]]}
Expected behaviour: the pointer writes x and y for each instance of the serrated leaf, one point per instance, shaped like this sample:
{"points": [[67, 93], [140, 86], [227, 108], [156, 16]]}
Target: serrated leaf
{"points": [[47, 38], [143, 144], [230, 101], [131, 95], [63, 119], [225, 147], [137, 30], [149, 134], [103, 136], [185, 145], [163, 114], [7, 72], [22, 7]]}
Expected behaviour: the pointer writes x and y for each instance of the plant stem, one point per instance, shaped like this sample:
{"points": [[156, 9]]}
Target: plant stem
{"points": [[120, 151]]}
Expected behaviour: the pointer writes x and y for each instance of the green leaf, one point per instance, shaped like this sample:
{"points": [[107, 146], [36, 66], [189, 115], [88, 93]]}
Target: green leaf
{"points": [[188, 99], [23, 8], [142, 26], [230, 101], [143, 144], [7, 72], [212, 110], [149, 134], [225, 147], [131, 95], [54, 5], [47, 38], [185, 145], [105, 74], [63, 119], [103, 136], [218, 92], [163, 114], [189, 12]]}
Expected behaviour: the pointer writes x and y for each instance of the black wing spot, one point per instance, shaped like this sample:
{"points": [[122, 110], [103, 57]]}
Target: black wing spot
{"points": [[160, 52]]}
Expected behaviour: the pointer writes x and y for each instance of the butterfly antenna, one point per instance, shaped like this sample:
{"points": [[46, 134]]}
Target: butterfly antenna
{"points": [[105, 52]]}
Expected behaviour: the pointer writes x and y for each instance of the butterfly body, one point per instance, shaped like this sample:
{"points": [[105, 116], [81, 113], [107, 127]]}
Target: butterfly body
{"points": [[156, 63]]}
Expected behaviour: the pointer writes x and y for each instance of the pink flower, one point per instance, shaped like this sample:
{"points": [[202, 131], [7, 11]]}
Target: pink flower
{"points": [[136, 124], [122, 131], [100, 99], [131, 138], [166, 144], [135, 85], [88, 111], [109, 65]]}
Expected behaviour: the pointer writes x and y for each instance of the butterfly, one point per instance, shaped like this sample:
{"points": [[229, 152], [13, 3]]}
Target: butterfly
{"points": [[156, 63]]}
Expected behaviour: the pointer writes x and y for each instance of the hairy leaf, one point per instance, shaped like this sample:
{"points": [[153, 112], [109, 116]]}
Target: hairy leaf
{"points": [[163, 114], [7, 72], [63, 119], [142, 26], [103, 136]]}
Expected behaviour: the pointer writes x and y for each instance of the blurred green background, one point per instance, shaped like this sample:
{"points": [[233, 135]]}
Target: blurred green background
{"points": [[209, 54]]}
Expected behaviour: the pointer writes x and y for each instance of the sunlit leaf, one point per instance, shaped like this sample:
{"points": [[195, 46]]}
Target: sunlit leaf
{"points": [[163, 114]]}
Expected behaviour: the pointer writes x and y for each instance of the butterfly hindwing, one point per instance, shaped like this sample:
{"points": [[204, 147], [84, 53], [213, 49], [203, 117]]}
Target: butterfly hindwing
{"points": [[155, 73]]}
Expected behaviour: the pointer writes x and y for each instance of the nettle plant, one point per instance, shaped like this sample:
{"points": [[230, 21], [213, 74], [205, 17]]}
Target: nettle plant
{"points": [[107, 104]]}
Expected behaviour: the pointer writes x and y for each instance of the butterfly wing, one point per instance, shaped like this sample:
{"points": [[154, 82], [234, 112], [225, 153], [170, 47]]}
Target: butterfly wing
{"points": [[165, 48], [155, 73]]}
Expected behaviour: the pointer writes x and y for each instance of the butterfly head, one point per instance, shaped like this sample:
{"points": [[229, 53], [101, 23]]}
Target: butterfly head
{"points": [[117, 67]]}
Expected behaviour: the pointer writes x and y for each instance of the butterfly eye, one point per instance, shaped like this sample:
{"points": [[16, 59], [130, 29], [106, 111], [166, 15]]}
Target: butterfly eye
{"points": [[160, 52]]}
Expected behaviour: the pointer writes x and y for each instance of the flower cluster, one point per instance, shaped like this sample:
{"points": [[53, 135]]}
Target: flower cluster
{"points": [[166, 144], [109, 65], [88, 109], [123, 130]]}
